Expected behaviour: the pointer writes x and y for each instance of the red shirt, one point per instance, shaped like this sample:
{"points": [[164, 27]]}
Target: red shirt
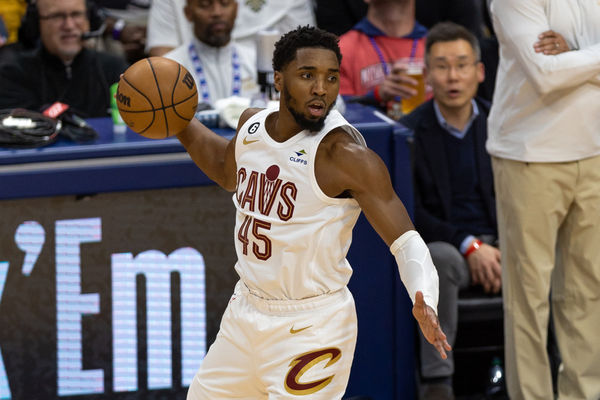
{"points": [[364, 63]]}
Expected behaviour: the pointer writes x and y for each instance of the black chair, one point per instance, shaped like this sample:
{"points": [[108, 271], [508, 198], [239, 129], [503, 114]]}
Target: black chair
{"points": [[479, 339]]}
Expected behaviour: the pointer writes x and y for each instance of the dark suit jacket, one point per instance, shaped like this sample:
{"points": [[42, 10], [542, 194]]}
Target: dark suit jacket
{"points": [[432, 185]]}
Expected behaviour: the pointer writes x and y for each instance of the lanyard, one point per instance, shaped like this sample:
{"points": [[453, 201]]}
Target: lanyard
{"points": [[384, 64], [235, 66]]}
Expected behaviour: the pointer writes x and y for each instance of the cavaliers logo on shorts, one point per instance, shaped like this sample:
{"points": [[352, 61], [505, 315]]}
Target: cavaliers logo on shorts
{"points": [[303, 363]]}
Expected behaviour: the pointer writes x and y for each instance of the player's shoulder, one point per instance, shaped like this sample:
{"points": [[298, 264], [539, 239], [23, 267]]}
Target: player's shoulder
{"points": [[339, 145], [246, 115], [348, 162]]}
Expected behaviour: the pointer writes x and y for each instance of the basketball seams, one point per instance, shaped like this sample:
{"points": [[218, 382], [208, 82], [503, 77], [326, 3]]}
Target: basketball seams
{"points": [[152, 105], [162, 103], [146, 97], [175, 84], [140, 92], [173, 94], [143, 104], [183, 101]]}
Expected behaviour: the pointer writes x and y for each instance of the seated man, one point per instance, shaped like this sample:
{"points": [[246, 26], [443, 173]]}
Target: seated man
{"points": [[61, 68], [387, 34], [454, 191], [168, 28], [220, 67]]}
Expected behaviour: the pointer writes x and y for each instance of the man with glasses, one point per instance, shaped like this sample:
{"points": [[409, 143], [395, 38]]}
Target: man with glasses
{"points": [[453, 185], [61, 68]]}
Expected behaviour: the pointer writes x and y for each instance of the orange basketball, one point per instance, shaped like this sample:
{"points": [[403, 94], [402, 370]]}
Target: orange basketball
{"points": [[157, 97]]}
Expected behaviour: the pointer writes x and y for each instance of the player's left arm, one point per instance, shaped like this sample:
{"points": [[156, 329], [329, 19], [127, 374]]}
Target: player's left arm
{"points": [[344, 166]]}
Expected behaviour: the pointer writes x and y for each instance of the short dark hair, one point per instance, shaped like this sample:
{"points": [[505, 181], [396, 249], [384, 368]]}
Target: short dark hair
{"points": [[448, 32], [302, 37]]}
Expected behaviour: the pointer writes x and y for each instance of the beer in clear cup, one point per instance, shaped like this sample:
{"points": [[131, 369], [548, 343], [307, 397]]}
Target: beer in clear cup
{"points": [[413, 67]]}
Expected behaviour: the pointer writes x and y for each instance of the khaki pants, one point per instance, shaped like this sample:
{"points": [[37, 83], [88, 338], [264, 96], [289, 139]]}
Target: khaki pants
{"points": [[549, 230]]}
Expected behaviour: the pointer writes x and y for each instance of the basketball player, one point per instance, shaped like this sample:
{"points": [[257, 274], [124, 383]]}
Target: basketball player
{"points": [[301, 175]]}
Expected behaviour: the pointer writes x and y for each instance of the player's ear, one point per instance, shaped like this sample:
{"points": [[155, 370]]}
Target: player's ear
{"points": [[235, 5], [277, 80], [187, 10]]}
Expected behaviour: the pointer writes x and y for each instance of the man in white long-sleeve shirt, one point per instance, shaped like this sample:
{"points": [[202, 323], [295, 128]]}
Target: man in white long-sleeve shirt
{"points": [[544, 136], [220, 67]]}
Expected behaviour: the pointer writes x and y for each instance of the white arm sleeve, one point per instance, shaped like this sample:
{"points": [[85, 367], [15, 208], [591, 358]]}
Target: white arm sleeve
{"points": [[416, 267]]}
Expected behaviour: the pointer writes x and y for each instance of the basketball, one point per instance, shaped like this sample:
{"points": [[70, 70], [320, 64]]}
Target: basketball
{"points": [[157, 97]]}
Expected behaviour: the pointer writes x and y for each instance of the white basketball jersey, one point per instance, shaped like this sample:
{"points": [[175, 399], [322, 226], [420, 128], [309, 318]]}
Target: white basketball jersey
{"points": [[291, 239]]}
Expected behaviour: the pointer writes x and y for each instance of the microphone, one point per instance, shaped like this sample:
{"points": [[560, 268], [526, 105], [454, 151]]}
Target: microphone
{"points": [[92, 34]]}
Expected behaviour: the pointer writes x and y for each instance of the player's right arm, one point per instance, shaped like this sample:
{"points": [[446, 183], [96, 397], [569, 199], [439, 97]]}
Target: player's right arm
{"points": [[212, 153]]}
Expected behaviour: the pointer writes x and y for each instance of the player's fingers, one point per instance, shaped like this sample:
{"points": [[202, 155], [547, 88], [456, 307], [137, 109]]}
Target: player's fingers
{"points": [[434, 321], [444, 344], [419, 309], [447, 346], [440, 349], [419, 299]]}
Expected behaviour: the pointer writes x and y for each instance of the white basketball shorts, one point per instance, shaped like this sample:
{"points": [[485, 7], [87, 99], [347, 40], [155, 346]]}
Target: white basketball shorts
{"points": [[280, 349]]}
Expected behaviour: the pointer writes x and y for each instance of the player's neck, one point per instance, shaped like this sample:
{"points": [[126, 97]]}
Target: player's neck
{"points": [[281, 126], [393, 19]]}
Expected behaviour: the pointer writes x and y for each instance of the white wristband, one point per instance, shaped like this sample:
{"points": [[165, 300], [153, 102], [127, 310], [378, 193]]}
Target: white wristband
{"points": [[416, 267]]}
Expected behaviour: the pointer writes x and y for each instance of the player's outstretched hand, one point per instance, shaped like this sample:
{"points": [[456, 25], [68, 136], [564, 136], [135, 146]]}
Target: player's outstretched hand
{"points": [[430, 325]]}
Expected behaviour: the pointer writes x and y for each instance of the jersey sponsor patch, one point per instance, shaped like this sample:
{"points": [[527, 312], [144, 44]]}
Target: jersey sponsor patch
{"points": [[298, 157]]}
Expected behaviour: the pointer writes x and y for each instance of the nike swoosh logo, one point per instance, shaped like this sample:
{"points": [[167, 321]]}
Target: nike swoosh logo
{"points": [[246, 141], [294, 331]]}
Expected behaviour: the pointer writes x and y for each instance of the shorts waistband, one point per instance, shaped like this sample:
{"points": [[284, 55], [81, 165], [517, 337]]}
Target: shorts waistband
{"points": [[286, 306]]}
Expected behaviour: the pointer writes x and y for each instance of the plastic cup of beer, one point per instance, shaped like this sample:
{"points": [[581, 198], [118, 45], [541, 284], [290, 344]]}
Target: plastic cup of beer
{"points": [[413, 67]]}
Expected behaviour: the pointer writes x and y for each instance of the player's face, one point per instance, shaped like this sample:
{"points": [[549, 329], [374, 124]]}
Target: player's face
{"points": [[454, 73], [309, 86], [212, 19], [62, 22]]}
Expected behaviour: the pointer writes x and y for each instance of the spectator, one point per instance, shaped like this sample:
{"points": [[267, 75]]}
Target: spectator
{"points": [[387, 33], [544, 138], [454, 191], [61, 68], [339, 16], [211, 57], [168, 27]]}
